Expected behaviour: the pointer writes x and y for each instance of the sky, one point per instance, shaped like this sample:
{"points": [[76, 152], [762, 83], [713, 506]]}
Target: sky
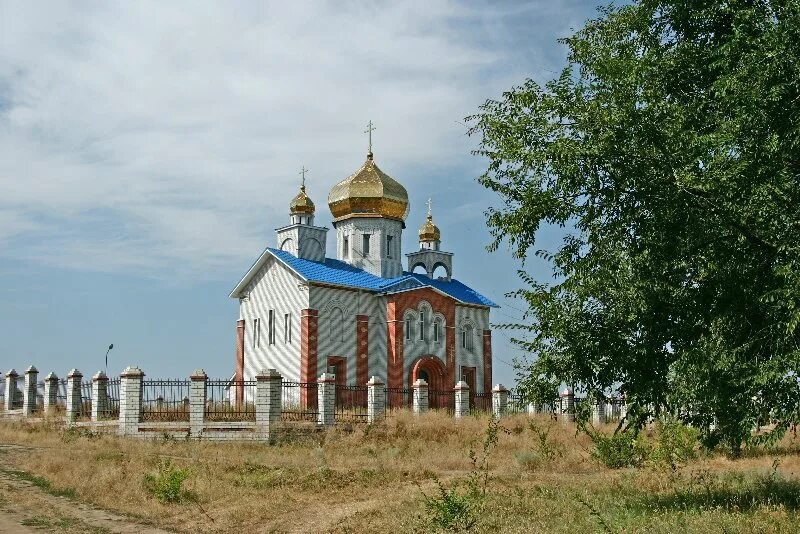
{"points": [[148, 150]]}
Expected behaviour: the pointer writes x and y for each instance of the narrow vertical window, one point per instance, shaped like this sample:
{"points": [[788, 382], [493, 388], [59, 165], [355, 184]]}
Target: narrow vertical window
{"points": [[464, 339], [256, 332], [345, 247], [408, 327], [436, 331], [365, 247], [422, 326], [388, 246], [271, 327], [287, 329]]}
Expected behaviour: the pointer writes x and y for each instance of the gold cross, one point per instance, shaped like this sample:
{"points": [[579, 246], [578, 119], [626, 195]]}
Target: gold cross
{"points": [[369, 130], [303, 171], [429, 207]]}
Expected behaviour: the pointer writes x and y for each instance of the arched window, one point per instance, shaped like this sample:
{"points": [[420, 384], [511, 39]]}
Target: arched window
{"points": [[422, 326], [437, 330], [466, 337], [409, 327], [337, 324]]}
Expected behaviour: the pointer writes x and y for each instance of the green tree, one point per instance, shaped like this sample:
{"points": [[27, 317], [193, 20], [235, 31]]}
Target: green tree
{"points": [[669, 150]]}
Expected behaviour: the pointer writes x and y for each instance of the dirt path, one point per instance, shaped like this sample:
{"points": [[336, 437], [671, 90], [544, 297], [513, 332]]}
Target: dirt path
{"points": [[24, 507]]}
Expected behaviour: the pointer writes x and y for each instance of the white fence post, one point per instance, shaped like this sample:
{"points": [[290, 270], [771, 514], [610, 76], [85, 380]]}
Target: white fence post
{"points": [[421, 401], [73, 395], [499, 401], [567, 406], [599, 412], [99, 395], [462, 399], [268, 402], [29, 395], [326, 402], [376, 400], [130, 401], [50, 393], [198, 393], [11, 389]]}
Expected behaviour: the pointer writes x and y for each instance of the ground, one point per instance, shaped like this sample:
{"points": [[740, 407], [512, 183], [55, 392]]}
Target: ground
{"points": [[374, 478]]}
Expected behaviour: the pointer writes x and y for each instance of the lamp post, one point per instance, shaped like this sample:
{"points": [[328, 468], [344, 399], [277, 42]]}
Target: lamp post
{"points": [[109, 350]]}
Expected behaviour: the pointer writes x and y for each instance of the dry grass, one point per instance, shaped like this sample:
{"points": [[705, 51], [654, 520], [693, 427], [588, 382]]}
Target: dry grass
{"points": [[369, 478]]}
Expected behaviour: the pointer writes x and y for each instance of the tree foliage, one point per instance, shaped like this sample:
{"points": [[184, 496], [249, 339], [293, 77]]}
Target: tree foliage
{"points": [[669, 150]]}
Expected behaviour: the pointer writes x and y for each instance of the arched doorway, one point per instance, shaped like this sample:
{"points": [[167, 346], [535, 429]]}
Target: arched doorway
{"points": [[432, 370]]}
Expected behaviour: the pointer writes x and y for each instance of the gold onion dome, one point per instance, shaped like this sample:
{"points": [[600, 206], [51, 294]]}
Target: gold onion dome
{"points": [[429, 231], [369, 192], [301, 204]]}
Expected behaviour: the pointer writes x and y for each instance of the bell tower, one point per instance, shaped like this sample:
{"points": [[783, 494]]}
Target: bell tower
{"points": [[429, 256], [301, 237]]}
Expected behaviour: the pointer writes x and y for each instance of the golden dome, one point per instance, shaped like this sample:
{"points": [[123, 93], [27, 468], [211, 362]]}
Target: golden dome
{"points": [[369, 192], [301, 204], [429, 231]]}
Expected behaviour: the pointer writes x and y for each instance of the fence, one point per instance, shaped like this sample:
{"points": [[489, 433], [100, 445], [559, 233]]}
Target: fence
{"points": [[350, 404], [165, 400], [397, 398], [230, 400], [299, 401]]}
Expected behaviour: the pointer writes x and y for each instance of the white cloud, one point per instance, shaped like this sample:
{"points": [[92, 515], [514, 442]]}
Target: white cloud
{"points": [[162, 138]]}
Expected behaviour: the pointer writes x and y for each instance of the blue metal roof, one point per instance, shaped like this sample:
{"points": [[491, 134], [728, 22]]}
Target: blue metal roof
{"points": [[339, 273]]}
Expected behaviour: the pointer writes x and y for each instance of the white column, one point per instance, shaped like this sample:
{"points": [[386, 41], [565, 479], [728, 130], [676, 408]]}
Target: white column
{"points": [[29, 395], [99, 395], [198, 393], [50, 393], [421, 402], [567, 398], [268, 402], [11, 389], [462, 399], [326, 399], [73, 395], [376, 400], [599, 412], [130, 400], [499, 400]]}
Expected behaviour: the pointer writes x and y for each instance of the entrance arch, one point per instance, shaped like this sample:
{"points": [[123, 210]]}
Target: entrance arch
{"points": [[433, 371]]}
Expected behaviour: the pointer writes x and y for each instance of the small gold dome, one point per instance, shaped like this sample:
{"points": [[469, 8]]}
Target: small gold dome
{"points": [[369, 192], [301, 204], [429, 231]]}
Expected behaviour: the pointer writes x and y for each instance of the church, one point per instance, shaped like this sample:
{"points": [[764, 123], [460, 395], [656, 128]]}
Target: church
{"points": [[361, 314]]}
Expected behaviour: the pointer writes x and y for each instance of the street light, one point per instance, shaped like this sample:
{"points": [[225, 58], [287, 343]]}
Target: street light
{"points": [[109, 350]]}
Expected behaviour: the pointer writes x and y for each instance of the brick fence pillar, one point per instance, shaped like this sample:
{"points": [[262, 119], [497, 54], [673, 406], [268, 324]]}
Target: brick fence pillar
{"points": [[11, 389], [567, 412], [50, 393], [499, 400], [268, 402], [99, 395], [326, 399], [29, 395], [197, 402], [376, 400], [599, 412], [421, 402], [130, 401], [462, 399], [73, 407]]}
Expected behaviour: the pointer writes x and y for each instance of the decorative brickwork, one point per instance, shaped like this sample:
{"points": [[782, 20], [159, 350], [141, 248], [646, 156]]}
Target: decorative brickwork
{"points": [[309, 319], [240, 361], [362, 349], [487, 360]]}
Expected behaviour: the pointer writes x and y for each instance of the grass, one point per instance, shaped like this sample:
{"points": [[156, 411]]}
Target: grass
{"points": [[542, 477]]}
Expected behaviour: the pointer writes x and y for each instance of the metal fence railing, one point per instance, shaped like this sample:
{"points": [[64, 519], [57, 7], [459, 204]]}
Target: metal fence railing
{"points": [[480, 402], [85, 407], [351, 404], [299, 401], [230, 400], [442, 400], [165, 400], [111, 409], [397, 398]]}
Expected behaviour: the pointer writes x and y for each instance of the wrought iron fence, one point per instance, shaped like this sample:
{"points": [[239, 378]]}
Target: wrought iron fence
{"points": [[480, 402], [85, 406], [397, 398], [442, 400], [299, 401], [351, 404], [516, 404], [111, 409], [230, 400], [61, 394], [17, 399], [165, 400]]}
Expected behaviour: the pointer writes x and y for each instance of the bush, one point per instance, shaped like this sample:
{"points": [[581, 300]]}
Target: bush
{"points": [[621, 449], [165, 485], [543, 452], [676, 444]]}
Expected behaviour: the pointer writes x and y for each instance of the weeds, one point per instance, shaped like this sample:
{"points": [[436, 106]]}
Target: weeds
{"points": [[166, 484], [42, 483]]}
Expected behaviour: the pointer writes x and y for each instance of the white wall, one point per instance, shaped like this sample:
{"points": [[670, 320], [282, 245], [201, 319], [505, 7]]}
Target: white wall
{"points": [[415, 347], [274, 287], [479, 319]]}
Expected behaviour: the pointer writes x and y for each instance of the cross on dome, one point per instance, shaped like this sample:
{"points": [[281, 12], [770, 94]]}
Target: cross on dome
{"points": [[368, 131], [303, 172]]}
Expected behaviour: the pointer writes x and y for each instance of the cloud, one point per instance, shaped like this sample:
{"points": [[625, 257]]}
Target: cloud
{"points": [[164, 138]]}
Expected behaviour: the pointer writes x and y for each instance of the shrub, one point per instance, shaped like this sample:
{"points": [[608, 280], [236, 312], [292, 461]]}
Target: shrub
{"points": [[165, 485], [620, 449], [543, 452], [676, 444]]}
